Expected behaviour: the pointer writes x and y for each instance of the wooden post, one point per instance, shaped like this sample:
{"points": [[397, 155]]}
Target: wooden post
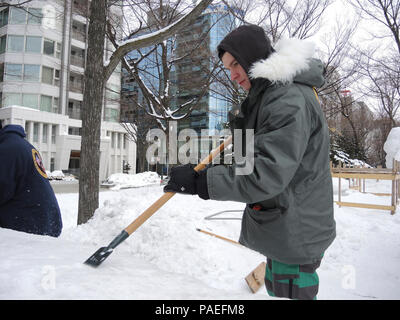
{"points": [[365, 174], [255, 279], [397, 182], [340, 190], [394, 187]]}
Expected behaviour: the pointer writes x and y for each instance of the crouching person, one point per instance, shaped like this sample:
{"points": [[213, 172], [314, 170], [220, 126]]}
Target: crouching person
{"points": [[289, 200], [27, 200]]}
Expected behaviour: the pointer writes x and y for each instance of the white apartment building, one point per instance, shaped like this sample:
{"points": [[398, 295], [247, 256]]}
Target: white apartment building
{"points": [[42, 60]]}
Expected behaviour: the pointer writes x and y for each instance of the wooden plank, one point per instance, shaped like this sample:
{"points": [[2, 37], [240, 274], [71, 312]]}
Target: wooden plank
{"points": [[255, 279], [361, 170], [365, 205], [355, 175], [380, 176], [217, 236]]}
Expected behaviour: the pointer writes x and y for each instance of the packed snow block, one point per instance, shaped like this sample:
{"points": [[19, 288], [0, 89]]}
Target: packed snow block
{"points": [[119, 181], [255, 279], [392, 147]]}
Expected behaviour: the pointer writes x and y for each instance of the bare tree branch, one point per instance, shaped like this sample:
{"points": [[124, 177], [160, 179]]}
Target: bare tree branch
{"points": [[147, 41]]}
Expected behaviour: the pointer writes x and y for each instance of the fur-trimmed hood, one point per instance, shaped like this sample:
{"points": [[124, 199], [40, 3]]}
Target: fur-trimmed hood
{"points": [[292, 61]]}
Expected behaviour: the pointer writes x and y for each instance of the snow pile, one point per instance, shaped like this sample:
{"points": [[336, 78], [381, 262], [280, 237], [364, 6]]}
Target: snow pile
{"points": [[119, 181], [392, 147], [166, 258], [345, 158], [169, 239], [57, 175], [344, 186]]}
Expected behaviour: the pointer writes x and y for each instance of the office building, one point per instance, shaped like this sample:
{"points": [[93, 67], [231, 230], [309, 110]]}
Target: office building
{"points": [[42, 61], [190, 74]]}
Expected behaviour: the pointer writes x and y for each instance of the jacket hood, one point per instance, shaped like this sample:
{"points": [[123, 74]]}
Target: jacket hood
{"points": [[247, 44], [292, 61], [13, 128]]}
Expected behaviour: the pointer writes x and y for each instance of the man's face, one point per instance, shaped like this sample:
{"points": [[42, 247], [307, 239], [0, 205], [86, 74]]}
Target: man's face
{"points": [[237, 72]]}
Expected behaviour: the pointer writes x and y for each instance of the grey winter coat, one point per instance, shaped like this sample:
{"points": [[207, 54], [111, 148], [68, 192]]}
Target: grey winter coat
{"points": [[291, 178]]}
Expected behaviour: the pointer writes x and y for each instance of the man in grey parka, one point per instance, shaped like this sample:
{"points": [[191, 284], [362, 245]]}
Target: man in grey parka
{"points": [[289, 200]]}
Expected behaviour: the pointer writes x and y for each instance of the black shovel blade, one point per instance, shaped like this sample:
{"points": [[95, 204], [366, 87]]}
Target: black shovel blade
{"points": [[99, 256]]}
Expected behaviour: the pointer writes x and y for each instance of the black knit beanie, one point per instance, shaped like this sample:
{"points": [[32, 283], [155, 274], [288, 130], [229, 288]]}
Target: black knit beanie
{"points": [[247, 44]]}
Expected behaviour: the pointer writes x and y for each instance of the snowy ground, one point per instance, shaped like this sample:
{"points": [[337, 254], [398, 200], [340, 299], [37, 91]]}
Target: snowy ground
{"points": [[166, 258]]}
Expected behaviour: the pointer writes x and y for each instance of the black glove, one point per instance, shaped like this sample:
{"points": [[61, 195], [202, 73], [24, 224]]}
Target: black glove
{"points": [[201, 185], [183, 179]]}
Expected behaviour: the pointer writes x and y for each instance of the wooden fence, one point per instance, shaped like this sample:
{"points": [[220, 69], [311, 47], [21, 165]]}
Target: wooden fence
{"points": [[357, 177]]}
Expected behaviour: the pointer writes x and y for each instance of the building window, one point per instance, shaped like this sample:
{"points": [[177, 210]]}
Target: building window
{"points": [[1, 72], [35, 16], [77, 57], [31, 72], [55, 105], [44, 136], [113, 92], [27, 129], [52, 162], [47, 75], [18, 16], [57, 77], [12, 99], [111, 115], [58, 50], [53, 134], [48, 47], [30, 100], [33, 44], [75, 131], [76, 82], [3, 17], [15, 43], [3, 42], [46, 103], [36, 132], [13, 71], [74, 109], [113, 140], [118, 141]]}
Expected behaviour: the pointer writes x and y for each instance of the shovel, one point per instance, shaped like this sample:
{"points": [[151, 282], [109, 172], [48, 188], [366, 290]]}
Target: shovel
{"points": [[254, 279], [100, 255]]}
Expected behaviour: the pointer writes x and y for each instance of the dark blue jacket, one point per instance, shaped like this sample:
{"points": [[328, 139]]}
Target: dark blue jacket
{"points": [[27, 200]]}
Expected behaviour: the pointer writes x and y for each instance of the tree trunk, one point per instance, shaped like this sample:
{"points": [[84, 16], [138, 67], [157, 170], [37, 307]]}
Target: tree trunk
{"points": [[91, 113], [96, 75]]}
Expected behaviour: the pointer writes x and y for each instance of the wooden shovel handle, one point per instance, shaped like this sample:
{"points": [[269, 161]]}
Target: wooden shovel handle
{"points": [[217, 236], [168, 195]]}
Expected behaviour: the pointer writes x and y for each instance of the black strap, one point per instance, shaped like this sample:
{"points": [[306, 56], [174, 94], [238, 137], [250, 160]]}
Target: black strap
{"points": [[290, 288]]}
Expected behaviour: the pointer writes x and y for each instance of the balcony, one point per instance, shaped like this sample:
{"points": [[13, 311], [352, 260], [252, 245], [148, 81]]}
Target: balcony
{"points": [[78, 31], [75, 114], [74, 109], [77, 61]]}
